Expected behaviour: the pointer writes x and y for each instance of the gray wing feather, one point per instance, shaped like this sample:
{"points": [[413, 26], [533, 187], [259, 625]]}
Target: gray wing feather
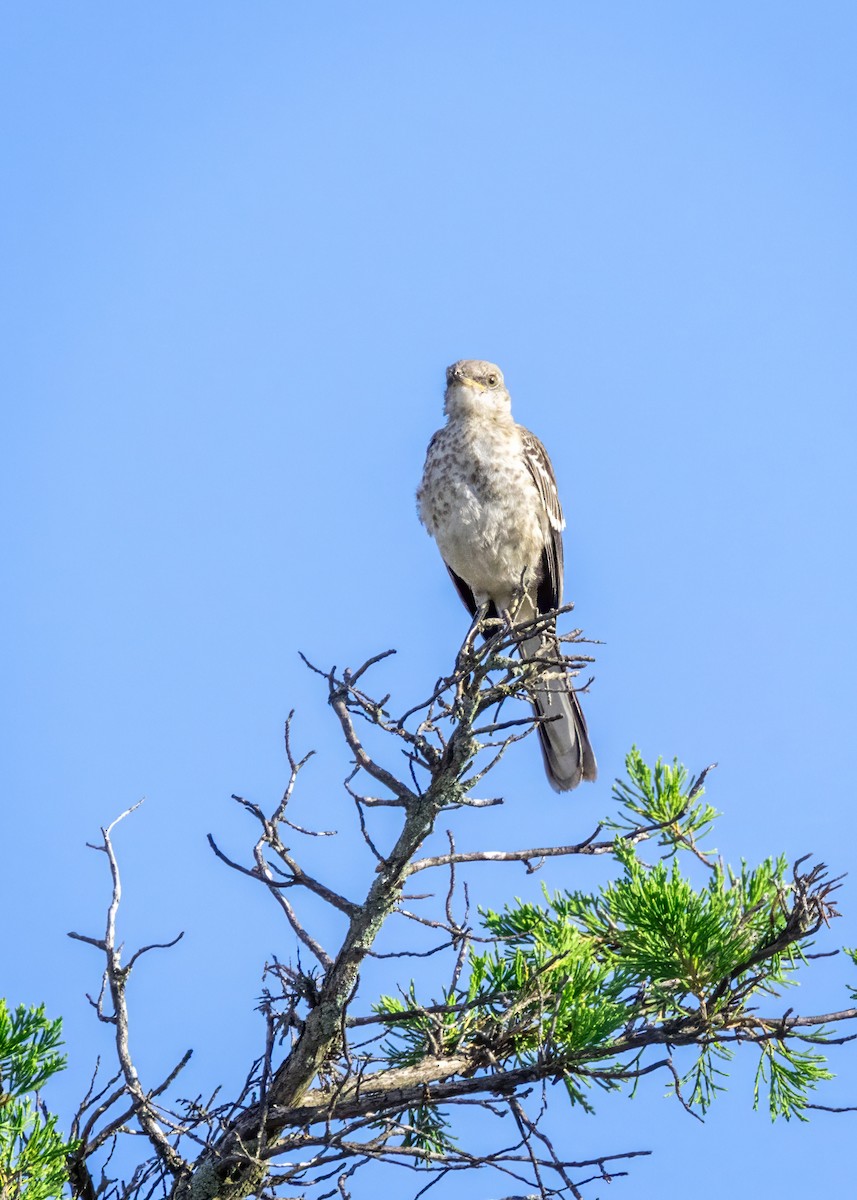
{"points": [[539, 466]]}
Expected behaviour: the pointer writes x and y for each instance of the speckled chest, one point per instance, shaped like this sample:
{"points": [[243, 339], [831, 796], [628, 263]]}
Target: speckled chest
{"points": [[478, 500]]}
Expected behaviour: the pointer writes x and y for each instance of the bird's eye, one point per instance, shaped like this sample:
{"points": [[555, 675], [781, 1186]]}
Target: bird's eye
{"points": [[492, 380]]}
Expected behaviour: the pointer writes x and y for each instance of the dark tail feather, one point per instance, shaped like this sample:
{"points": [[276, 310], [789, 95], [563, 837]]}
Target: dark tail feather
{"points": [[563, 735]]}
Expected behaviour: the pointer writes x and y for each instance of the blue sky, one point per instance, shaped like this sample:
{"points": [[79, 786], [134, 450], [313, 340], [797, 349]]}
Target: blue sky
{"points": [[240, 245]]}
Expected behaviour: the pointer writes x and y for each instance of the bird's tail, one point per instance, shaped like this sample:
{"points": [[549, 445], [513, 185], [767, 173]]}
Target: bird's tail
{"points": [[563, 735]]}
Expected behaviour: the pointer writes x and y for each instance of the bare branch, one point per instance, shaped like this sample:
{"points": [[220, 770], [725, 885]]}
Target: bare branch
{"points": [[116, 977]]}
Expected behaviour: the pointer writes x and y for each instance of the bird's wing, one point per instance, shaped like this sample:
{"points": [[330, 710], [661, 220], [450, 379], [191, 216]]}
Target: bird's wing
{"points": [[466, 593], [539, 466], [464, 590]]}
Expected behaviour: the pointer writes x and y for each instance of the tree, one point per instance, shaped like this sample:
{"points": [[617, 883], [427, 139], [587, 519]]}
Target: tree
{"points": [[32, 1153], [652, 972]]}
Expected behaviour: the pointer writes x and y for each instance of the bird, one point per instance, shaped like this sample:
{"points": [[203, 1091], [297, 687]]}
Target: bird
{"points": [[488, 497]]}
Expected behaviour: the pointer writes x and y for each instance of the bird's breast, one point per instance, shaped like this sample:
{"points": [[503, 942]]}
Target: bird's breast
{"points": [[479, 502]]}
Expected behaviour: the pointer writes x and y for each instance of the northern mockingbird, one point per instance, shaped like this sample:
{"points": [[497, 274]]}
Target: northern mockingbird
{"points": [[488, 497]]}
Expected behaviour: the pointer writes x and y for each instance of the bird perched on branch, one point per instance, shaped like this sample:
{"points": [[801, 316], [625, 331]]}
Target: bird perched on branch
{"points": [[488, 497]]}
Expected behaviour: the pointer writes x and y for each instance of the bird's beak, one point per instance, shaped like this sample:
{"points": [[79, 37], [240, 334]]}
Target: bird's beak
{"points": [[466, 381]]}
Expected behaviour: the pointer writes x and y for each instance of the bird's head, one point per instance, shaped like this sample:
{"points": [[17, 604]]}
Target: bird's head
{"points": [[475, 388]]}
